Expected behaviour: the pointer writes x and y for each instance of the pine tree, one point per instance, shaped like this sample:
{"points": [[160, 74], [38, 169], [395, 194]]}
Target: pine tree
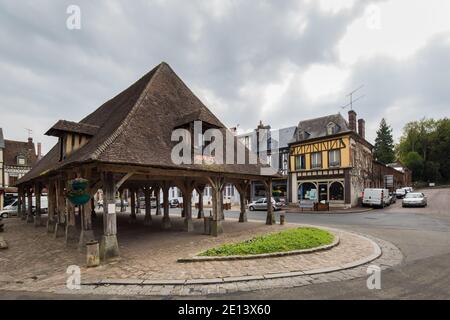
{"points": [[384, 144]]}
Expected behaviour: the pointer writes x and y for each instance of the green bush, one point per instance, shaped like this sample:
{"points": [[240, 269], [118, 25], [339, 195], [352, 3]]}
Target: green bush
{"points": [[288, 240]]}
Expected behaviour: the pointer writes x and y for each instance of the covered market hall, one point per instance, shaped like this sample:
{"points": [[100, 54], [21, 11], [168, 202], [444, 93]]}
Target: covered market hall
{"points": [[127, 144]]}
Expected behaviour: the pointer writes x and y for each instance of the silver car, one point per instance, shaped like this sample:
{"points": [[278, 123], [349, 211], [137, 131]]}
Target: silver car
{"points": [[261, 204], [414, 199]]}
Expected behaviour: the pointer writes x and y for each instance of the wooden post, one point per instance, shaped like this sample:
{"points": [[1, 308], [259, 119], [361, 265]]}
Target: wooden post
{"points": [[270, 220], [71, 228], [133, 217], [158, 200], [38, 211], [61, 208], [242, 189], [217, 185], [51, 207], [109, 247], [148, 206], [24, 204], [86, 234], [166, 218], [19, 202], [30, 218], [200, 191]]}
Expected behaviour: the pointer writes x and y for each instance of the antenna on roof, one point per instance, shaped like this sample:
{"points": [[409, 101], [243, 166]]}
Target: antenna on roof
{"points": [[30, 132], [351, 98]]}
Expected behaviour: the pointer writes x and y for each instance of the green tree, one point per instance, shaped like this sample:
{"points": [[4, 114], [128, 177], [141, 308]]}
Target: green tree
{"points": [[384, 144], [414, 162]]}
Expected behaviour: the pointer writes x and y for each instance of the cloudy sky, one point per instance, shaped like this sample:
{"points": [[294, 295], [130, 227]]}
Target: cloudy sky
{"points": [[275, 61]]}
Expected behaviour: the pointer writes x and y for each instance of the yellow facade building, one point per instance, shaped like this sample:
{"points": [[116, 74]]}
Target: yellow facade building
{"points": [[330, 161]]}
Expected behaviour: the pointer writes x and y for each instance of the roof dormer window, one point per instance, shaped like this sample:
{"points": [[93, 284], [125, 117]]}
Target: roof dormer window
{"points": [[332, 128], [21, 160]]}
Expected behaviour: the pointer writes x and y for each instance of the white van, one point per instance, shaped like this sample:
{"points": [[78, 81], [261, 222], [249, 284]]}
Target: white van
{"points": [[375, 197]]}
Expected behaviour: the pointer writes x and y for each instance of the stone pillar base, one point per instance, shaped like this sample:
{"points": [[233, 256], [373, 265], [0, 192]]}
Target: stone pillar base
{"points": [[85, 237], [51, 226], [109, 247], [216, 228], [60, 230], [188, 225], [30, 218], [166, 224], [71, 234], [200, 214], [243, 217], [23, 217], [148, 221]]}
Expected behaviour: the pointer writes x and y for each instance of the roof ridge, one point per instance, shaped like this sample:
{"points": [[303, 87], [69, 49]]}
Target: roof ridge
{"points": [[101, 148]]}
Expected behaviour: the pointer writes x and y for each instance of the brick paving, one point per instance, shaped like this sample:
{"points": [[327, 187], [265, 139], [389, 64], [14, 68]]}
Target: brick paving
{"points": [[36, 261]]}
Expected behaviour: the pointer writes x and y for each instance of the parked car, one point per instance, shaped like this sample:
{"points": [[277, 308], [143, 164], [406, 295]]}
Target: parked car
{"points": [[409, 189], [414, 199], [261, 204], [9, 210], [376, 197], [174, 203], [119, 203], [400, 193]]}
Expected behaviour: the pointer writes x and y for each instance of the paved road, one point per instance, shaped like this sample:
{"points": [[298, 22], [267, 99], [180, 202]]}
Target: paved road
{"points": [[423, 236]]}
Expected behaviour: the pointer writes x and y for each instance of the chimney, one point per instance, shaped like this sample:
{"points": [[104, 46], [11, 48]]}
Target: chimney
{"points": [[362, 128], [30, 140], [39, 150], [352, 120]]}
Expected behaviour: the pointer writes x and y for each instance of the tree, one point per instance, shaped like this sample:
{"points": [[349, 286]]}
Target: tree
{"points": [[414, 162], [384, 144]]}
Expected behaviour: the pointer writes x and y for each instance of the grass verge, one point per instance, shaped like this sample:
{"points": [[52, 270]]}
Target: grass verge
{"points": [[287, 240]]}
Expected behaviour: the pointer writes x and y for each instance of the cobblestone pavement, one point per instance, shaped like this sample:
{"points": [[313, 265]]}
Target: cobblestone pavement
{"points": [[37, 262]]}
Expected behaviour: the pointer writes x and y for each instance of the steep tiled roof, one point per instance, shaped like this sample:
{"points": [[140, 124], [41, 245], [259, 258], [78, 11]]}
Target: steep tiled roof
{"points": [[317, 127], [13, 149], [135, 127]]}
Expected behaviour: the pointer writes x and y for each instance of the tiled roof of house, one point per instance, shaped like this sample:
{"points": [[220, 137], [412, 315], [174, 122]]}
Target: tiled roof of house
{"points": [[135, 127], [13, 149], [75, 127], [317, 127]]}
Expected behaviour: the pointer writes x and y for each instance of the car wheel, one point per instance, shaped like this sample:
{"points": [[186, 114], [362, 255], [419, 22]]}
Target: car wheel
{"points": [[251, 208], [5, 215]]}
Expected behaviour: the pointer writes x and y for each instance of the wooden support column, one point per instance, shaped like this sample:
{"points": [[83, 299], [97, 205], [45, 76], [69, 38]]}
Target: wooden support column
{"points": [[19, 202], [242, 188], [187, 187], [166, 218], [51, 221], [72, 235], [87, 233], [217, 185], [200, 190], [61, 210], [148, 206], [38, 211], [270, 220], [158, 200], [24, 204], [30, 218], [133, 217], [109, 246], [122, 204]]}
